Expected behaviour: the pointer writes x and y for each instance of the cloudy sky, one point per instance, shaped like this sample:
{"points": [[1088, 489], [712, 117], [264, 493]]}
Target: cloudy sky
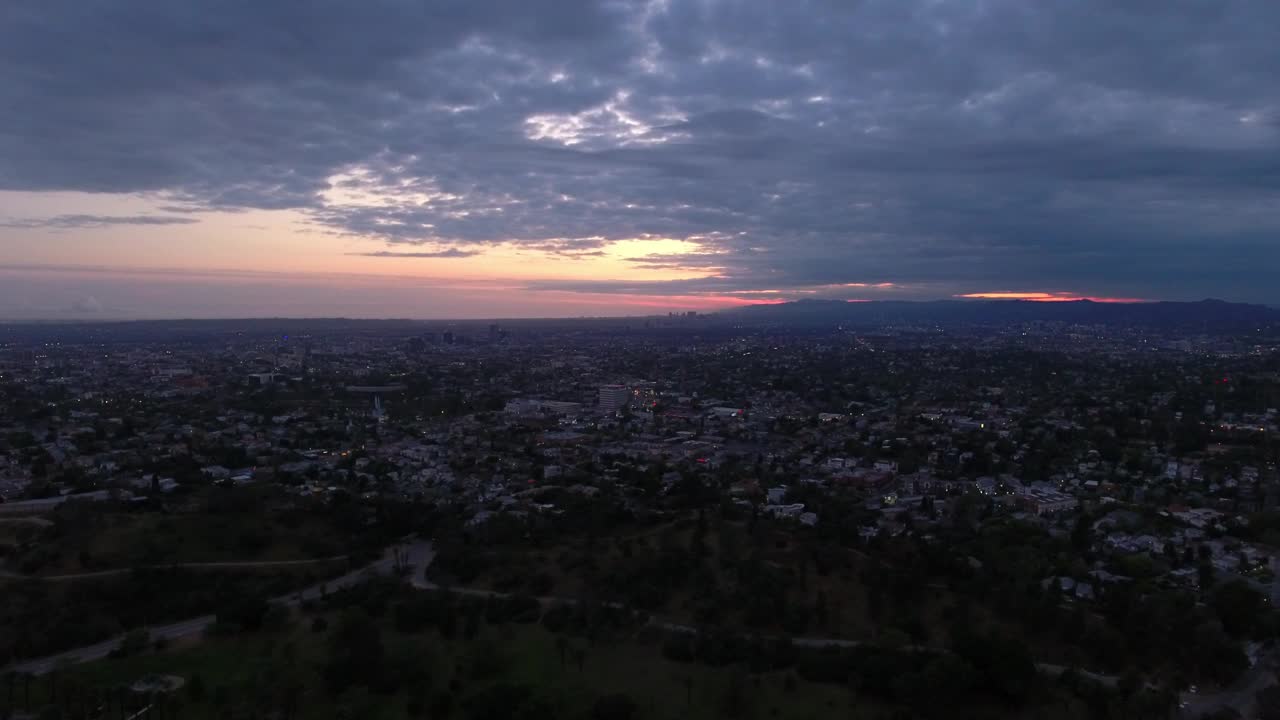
{"points": [[496, 158]]}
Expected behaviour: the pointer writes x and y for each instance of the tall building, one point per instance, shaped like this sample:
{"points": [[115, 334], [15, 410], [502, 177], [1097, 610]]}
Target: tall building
{"points": [[613, 398]]}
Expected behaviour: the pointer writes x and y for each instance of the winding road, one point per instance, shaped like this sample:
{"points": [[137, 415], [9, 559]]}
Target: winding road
{"points": [[224, 565], [421, 551], [413, 559], [1240, 696]]}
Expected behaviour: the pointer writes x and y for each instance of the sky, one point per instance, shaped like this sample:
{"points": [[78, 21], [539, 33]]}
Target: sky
{"points": [[508, 158]]}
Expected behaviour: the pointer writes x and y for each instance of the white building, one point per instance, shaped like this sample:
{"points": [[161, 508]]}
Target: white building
{"points": [[1043, 500], [531, 407], [613, 398]]}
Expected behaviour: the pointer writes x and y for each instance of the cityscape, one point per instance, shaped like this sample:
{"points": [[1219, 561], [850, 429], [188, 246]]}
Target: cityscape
{"points": [[1060, 519], [639, 360]]}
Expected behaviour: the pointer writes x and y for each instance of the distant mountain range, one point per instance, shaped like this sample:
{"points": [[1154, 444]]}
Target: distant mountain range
{"points": [[1190, 317], [1205, 314]]}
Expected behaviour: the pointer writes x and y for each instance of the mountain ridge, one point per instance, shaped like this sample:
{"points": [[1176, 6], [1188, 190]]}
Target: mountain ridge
{"points": [[1219, 314]]}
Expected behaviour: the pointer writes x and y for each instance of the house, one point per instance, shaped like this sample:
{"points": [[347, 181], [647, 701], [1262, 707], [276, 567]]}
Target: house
{"points": [[794, 510], [1045, 501], [215, 472], [886, 466], [1069, 587]]}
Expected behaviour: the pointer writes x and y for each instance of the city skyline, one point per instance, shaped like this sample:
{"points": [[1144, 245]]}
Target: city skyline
{"points": [[393, 159]]}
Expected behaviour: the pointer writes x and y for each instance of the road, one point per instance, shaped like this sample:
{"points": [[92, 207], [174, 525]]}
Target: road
{"points": [[101, 650], [228, 565], [415, 558], [1238, 697], [418, 579], [421, 551], [1053, 670]]}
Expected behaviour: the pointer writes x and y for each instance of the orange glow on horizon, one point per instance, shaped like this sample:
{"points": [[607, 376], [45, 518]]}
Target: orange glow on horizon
{"points": [[1047, 297], [673, 302], [1007, 296], [708, 303]]}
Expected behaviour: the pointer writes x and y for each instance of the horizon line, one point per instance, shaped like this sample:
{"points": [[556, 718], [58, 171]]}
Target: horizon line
{"points": [[69, 320]]}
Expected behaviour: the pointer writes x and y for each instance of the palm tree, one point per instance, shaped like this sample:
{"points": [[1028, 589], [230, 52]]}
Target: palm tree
{"points": [[562, 647], [54, 676], [293, 693], [11, 679]]}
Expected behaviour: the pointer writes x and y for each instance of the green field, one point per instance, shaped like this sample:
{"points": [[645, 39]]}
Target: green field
{"points": [[527, 655], [504, 671], [209, 525]]}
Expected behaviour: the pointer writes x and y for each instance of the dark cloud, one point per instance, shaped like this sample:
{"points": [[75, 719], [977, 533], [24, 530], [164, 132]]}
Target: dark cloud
{"points": [[63, 222], [1082, 145]]}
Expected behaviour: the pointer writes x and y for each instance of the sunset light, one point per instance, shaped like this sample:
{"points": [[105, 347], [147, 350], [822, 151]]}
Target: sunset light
{"points": [[631, 156], [1046, 297], [639, 359]]}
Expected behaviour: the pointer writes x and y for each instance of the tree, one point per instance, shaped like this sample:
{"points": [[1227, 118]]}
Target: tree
{"points": [[1004, 663], [355, 704], [356, 654], [289, 691], [276, 617], [504, 701], [243, 613], [1269, 703], [1205, 576], [735, 695], [1082, 534], [489, 660], [134, 642], [614, 707], [562, 648], [927, 508], [1130, 682], [55, 676], [1238, 606], [1216, 656], [195, 688], [949, 679]]}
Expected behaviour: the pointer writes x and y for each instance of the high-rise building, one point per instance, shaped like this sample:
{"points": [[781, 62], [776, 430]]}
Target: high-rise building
{"points": [[613, 398]]}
